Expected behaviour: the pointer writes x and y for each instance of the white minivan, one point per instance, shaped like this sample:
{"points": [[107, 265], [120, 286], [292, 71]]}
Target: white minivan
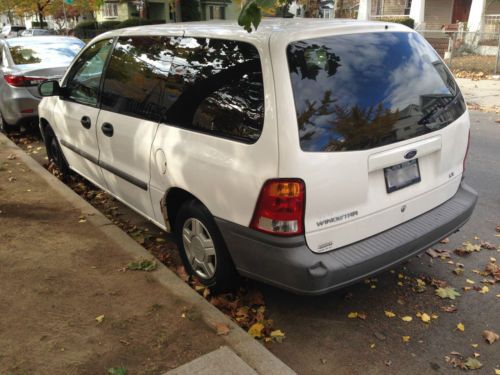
{"points": [[308, 154]]}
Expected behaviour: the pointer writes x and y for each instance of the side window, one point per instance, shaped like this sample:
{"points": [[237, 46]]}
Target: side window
{"points": [[84, 78], [215, 86], [134, 79]]}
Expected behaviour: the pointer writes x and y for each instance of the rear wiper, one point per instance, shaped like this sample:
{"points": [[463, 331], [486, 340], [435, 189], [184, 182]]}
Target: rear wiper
{"points": [[438, 107]]}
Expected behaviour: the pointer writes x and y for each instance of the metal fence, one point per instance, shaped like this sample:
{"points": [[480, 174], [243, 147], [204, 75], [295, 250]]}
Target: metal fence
{"points": [[477, 52]]}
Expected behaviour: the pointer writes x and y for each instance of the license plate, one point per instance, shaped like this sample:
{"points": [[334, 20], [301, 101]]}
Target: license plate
{"points": [[402, 175]]}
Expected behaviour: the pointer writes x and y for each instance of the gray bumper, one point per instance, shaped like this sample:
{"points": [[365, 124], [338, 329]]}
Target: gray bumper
{"points": [[289, 264]]}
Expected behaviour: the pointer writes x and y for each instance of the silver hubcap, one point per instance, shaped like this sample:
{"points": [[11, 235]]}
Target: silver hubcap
{"points": [[199, 248]]}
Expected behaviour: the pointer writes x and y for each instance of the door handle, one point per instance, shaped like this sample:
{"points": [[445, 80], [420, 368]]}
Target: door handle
{"points": [[86, 122], [107, 129]]}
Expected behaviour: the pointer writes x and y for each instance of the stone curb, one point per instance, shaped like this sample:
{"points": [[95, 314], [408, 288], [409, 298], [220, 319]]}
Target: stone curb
{"points": [[251, 351]]}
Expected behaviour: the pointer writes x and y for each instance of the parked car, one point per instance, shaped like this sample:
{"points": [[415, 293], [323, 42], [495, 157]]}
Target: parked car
{"points": [[308, 154], [24, 63], [37, 32], [10, 31]]}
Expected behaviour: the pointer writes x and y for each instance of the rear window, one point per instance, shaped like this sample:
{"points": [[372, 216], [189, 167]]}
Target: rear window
{"points": [[57, 53], [360, 91]]}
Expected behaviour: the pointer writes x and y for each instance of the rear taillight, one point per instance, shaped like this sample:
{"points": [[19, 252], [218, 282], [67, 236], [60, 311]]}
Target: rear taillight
{"points": [[466, 153], [22, 81], [280, 208]]}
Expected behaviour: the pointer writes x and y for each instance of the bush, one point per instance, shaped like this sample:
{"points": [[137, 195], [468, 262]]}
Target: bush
{"points": [[138, 22], [36, 25], [108, 25], [407, 21], [190, 10]]}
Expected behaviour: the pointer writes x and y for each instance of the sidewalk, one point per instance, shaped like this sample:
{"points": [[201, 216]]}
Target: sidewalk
{"points": [[481, 95], [68, 307]]}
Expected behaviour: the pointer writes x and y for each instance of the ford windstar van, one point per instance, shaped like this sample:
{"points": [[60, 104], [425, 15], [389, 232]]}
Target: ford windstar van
{"points": [[307, 154]]}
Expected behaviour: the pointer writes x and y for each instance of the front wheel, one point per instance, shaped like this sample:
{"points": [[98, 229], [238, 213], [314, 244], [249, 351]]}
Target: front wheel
{"points": [[54, 152], [202, 248]]}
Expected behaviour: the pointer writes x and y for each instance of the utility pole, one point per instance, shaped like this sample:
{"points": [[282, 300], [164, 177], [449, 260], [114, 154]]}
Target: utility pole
{"points": [[65, 17]]}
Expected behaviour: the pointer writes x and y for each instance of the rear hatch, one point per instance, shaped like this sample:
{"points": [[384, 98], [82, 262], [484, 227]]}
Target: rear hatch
{"points": [[382, 129]]}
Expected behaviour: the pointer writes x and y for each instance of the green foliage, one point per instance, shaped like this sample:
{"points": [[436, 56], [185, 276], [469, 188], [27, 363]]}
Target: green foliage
{"points": [[410, 22], [108, 25], [36, 25], [131, 22], [143, 265], [86, 25], [117, 371], [251, 13], [190, 10]]}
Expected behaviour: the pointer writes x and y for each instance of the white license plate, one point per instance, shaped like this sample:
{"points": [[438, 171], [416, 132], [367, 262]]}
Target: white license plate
{"points": [[402, 175]]}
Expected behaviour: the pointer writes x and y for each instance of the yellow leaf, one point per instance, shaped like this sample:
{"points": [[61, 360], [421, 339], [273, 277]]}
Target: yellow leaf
{"points": [[256, 330], [407, 318], [100, 318], [484, 290], [389, 314], [372, 345], [460, 327], [469, 281], [474, 345], [498, 295], [425, 318], [434, 316], [493, 260], [352, 315], [401, 276], [277, 333], [497, 371], [400, 283], [406, 338]]}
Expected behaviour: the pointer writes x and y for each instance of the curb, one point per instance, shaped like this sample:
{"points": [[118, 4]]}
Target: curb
{"points": [[247, 348]]}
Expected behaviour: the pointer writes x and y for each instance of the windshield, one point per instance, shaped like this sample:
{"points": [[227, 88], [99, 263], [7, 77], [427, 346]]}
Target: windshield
{"points": [[56, 53], [360, 91]]}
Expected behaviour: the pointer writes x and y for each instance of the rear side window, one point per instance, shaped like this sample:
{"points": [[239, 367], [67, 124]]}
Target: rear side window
{"points": [[35, 52], [215, 86], [135, 77], [360, 91]]}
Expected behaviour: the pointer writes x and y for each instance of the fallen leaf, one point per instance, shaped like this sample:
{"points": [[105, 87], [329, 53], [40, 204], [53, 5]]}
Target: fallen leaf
{"points": [[407, 318], [256, 330], [484, 290], [469, 281], [11, 157], [449, 309], [460, 327], [99, 319], [445, 240], [473, 364], [379, 336], [406, 338], [372, 345], [490, 336], [447, 292], [439, 283], [470, 247], [389, 314], [362, 316], [474, 345], [425, 318], [458, 271], [497, 371], [222, 329], [435, 253], [352, 315], [488, 246]]}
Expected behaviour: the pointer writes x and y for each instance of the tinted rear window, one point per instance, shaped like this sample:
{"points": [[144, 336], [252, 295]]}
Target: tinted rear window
{"points": [[360, 91], [57, 53]]}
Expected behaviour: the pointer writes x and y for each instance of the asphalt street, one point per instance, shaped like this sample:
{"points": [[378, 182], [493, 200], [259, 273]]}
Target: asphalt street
{"points": [[321, 339]]}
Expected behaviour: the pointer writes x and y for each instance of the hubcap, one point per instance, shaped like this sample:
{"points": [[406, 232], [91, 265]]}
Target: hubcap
{"points": [[199, 248]]}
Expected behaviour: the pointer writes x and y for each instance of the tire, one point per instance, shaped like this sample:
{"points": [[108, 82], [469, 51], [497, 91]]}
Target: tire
{"points": [[54, 152], [5, 127], [202, 248]]}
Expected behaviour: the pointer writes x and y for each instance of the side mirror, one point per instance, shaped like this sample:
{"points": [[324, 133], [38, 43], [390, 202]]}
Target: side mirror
{"points": [[49, 88]]}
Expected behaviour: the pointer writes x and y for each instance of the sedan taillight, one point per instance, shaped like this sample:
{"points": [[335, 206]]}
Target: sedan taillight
{"points": [[22, 81]]}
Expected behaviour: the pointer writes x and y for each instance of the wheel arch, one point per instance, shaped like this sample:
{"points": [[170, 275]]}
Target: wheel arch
{"points": [[172, 201]]}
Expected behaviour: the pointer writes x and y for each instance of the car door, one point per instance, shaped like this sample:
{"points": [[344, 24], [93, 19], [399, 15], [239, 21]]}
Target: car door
{"points": [[129, 117], [76, 111]]}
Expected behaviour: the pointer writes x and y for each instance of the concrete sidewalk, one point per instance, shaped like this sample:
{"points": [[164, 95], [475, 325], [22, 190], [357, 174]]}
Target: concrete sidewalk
{"points": [[482, 94], [68, 306]]}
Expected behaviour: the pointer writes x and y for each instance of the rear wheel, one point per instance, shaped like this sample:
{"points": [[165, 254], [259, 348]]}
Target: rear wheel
{"points": [[54, 152], [202, 248]]}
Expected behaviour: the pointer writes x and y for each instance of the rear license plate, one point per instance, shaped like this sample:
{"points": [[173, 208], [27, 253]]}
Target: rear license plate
{"points": [[402, 175]]}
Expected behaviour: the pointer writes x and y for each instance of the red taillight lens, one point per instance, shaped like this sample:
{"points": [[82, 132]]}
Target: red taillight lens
{"points": [[22, 81], [466, 153], [280, 208]]}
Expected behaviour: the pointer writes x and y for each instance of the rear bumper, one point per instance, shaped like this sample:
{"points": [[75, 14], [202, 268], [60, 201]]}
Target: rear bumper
{"points": [[19, 106], [289, 264]]}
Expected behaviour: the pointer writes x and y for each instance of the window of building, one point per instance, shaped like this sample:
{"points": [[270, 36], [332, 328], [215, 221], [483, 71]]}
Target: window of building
{"points": [[216, 12], [407, 7], [110, 10], [215, 86]]}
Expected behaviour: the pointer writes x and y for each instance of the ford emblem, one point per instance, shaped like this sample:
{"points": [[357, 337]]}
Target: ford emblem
{"points": [[410, 154]]}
